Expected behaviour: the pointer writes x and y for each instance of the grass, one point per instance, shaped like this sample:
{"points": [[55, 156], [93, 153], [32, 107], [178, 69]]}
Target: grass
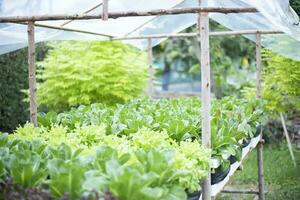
{"points": [[281, 177]]}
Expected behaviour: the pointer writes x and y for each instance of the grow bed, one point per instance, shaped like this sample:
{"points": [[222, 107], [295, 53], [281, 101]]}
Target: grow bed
{"points": [[217, 188], [140, 138]]}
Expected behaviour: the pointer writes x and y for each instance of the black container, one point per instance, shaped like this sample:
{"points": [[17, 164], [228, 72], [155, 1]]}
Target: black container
{"points": [[258, 128], [194, 196], [246, 142], [232, 159], [219, 175]]}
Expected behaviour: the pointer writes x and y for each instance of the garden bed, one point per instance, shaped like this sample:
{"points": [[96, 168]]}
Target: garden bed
{"points": [[142, 149]]}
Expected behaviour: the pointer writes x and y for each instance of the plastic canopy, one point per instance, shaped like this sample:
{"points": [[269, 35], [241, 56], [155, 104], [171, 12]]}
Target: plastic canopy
{"points": [[272, 15]]}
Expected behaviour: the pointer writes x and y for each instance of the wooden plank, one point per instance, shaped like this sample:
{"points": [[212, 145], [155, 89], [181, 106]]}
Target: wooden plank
{"points": [[31, 72], [205, 97], [114, 15]]}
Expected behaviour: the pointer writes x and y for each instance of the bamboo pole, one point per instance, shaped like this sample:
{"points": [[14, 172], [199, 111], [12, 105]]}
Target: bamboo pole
{"points": [[187, 35], [85, 12], [69, 29], [114, 15], [261, 184], [288, 139], [205, 89], [239, 191], [258, 66], [150, 68], [261, 181], [158, 36], [31, 72], [105, 10]]}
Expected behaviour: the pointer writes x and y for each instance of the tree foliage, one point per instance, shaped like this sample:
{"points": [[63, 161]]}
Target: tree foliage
{"points": [[230, 57], [281, 81], [296, 6], [87, 72], [14, 78]]}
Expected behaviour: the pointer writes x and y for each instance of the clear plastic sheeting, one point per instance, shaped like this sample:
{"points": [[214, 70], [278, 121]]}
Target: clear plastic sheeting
{"points": [[272, 15]]}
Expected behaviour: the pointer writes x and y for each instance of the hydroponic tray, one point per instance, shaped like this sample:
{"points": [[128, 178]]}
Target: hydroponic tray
{"points": [[217, 188]]}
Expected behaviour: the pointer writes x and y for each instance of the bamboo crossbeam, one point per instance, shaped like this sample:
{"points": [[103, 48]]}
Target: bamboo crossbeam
{"points": [[69, 29], [186, 35], [173, 95], [86, 12], [251, 191], [114, 15], [159, 36], [245, 32]]}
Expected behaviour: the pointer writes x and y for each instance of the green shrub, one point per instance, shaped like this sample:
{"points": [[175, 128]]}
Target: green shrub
{"points": [[87, 72], [14, 78], [281, 81]]}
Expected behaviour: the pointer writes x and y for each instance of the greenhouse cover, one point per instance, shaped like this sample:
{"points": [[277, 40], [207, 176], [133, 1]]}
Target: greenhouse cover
{"points": [[273, 15]]}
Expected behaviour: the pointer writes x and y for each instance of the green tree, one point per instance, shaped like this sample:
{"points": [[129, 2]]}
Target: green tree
{"points": [[230, 57], [77, 73], [281, 81], [280, 84], [14, 78], [296, 5]]}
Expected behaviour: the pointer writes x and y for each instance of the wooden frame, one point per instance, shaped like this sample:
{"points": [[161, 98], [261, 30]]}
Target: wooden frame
{"points": [[32, 74], [205, 59], [205, 97], [187, 35], [115, 15]]}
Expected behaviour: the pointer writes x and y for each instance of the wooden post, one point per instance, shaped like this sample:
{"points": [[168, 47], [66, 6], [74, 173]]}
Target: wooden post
{"points": [[288, 139], [150, 68], [31, 73], [105, 10], [258, 66], [261, 184], [205, 97]]}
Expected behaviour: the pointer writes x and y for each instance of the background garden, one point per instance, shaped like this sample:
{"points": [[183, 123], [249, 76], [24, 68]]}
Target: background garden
{"points": [[80, 111]]}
